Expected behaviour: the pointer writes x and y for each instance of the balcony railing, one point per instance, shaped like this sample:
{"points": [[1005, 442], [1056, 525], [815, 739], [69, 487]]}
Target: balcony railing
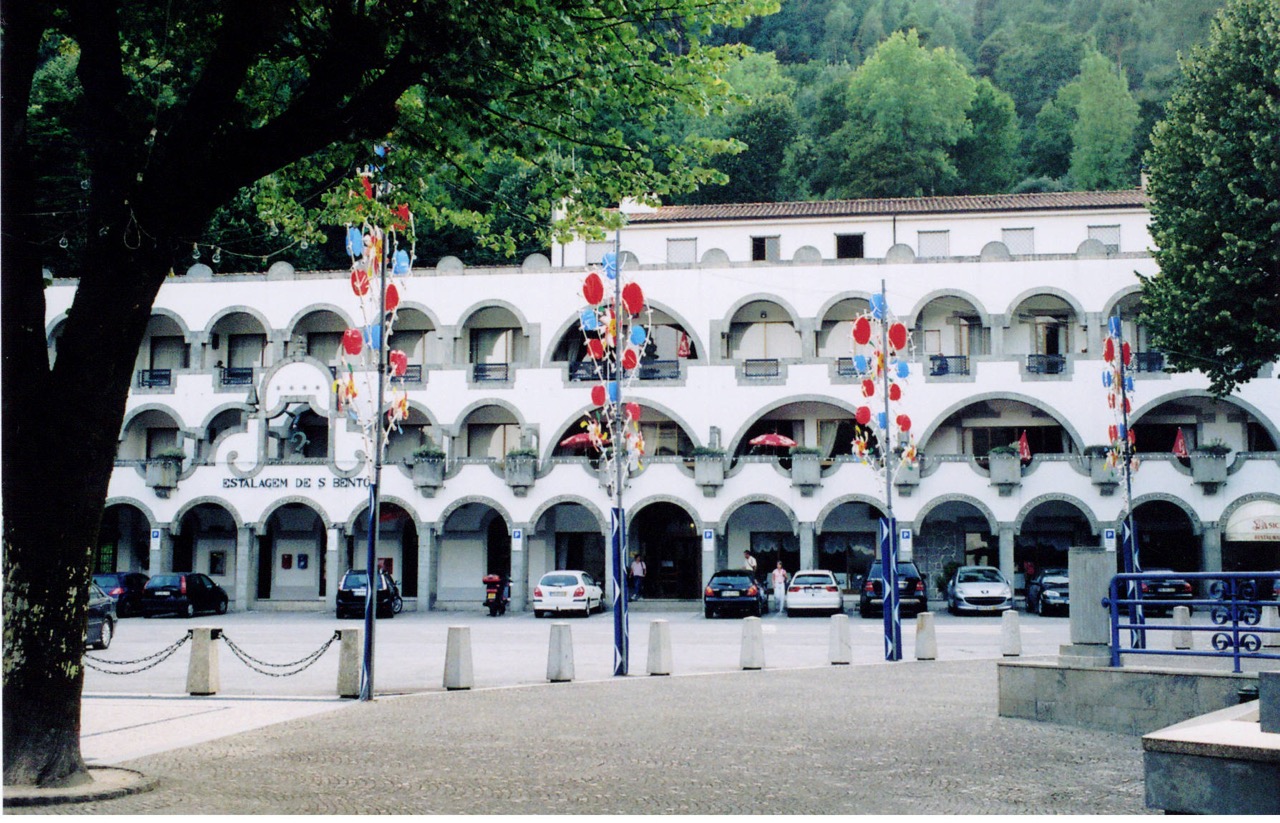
{"points": [[759, 369], [941, 364], [412, 374], [491, 372], [155, 378], [1148, 361], [660, 370], [844, 367], [237, 376], [1046, 363]]}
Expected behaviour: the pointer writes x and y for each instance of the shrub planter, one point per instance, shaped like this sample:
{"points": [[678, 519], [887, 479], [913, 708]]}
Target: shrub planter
{"points": [[806, 473], [1006, 472], [428, 475], [1103, 476], [520, 470], [162, 475], [1209, 470], [708, 473], [906, 478]]}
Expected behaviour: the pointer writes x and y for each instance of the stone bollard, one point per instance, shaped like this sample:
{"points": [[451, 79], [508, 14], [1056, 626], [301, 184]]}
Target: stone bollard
{"points": [[348, 662], [1269, 702], [926, 637], [202, 669], [752, 643], [659, 647], [1271, 619], [457, 659], [1010, 635], [1181, 635], [838, 646], [560, 654]]}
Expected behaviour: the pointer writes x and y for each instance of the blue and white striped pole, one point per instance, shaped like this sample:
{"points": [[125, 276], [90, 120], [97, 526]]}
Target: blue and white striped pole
{"points": [[889, 571], [621, 639]]}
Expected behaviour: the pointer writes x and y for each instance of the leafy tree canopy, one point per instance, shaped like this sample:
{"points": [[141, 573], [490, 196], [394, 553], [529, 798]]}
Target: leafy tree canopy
{"points": [[1215, 185]]}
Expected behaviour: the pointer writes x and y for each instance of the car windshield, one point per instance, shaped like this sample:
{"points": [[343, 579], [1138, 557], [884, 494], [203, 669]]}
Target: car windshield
{"points": [[355, 580], [904, 570], [740, 580], [164, 580], [559, 580], [106, 581], [980, 576], [812, 580]]}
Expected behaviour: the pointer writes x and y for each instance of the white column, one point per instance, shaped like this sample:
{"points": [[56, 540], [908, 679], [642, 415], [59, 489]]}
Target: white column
{"points": [[246, 565], [333, 566]]}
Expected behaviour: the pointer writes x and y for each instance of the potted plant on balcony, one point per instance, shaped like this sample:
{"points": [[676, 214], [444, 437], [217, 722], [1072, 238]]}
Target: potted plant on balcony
{"points": [[521, 466], [1101, 475], [163, 469], [1005, 468], [806, 469], [428, 469], [708, 469], [1209, 464]]}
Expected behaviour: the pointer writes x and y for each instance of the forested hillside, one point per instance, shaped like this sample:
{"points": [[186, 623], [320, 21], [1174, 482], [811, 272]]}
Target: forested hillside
{"points": [[858, 98]]}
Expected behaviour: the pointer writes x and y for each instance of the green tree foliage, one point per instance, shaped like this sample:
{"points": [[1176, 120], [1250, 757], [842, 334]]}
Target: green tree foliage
{"points": [[987, 159], [1041, 60], [1215, 186], [1102, 139]]}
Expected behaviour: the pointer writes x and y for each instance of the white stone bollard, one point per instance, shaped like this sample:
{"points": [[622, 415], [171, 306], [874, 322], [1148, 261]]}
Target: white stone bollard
{"points": [[202, 668], [457, 659], [1010, 635], [1271, 619], [752, 643], [838, 646], [659, 647], [926, 637], [560, 654], [348, 662], [1181, 636]]}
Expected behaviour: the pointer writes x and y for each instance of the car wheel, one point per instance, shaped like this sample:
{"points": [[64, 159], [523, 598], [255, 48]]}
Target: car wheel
{"points": [[222, 607], [758, 610], [539, 613], [104, 640], [709, 612], [863, 611], [397, 605], [788, 611], [189, 611]]}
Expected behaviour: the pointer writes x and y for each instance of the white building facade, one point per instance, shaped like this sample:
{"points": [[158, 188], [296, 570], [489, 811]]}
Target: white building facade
{"points": [[1007, 298]]}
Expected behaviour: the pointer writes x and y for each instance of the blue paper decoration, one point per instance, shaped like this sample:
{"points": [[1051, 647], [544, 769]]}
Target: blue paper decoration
{"points": [[373, 336], [637, 335], [612, 389], [1128, 384], [882, 420], [903, 369], [1121, 433], [1114, 326], [380, 150], [878, 306], [610, 265], [1106, 379], [860, 363], [590, 321], [355, 242], [402, 262]]}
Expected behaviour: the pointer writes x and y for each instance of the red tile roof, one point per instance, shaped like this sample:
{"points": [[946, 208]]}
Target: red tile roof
{"points": [[1042, 201]]}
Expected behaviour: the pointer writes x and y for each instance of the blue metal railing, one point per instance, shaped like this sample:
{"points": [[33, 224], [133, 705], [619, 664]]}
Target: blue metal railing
{"points": [[1148, 361], [660, 370], [155, 378], [1046, 363], [940, 364], [491, 372], [237, 376], [1235, 602], [758, 368]]}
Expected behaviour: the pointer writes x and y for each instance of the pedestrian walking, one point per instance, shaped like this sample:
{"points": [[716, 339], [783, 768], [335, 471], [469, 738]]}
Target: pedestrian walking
{"points": [[779, 579], [638, 571]]}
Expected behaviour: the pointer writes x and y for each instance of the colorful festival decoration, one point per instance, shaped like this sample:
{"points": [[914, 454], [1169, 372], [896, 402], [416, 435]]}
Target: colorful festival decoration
{"points": [[1122, 457]]}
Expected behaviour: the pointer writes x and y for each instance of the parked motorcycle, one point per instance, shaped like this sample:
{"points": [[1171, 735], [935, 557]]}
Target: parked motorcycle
{"points": [[497, 594]]}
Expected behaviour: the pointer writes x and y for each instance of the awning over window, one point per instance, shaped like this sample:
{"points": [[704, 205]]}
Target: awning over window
{"points": [[1254, 522]]}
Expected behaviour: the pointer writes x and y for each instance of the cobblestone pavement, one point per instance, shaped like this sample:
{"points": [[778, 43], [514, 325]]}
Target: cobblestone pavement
{"points": [[909, 737]]}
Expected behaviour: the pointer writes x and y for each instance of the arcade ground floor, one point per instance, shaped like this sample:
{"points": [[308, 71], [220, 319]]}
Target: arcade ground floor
{"points": [[294, 559]]}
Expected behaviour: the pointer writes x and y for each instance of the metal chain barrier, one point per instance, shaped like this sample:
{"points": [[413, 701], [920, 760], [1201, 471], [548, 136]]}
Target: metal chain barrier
{"points": [[298, 666], [152, 660]]}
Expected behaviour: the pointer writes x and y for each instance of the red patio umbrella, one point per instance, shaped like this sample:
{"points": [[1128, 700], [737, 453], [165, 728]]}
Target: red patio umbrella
{"points": [[576, 441], [772, 439]]}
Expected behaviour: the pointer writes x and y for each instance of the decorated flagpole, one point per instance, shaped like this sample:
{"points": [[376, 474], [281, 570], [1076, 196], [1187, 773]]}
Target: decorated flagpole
{"points": [[1117, 353], [617, 517]]}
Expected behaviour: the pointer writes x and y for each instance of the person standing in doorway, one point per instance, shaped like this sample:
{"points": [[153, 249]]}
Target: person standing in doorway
{"points": [[638, 570], [778, 577], [749, 563]]}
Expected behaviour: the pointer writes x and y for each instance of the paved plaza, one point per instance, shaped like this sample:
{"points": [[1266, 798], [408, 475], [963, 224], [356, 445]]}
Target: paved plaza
{"points": [[909, 737]]}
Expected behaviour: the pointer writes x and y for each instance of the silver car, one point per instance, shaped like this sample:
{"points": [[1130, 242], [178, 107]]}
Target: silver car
{"points": [[980, 589], [814, 590], [567, 591]]}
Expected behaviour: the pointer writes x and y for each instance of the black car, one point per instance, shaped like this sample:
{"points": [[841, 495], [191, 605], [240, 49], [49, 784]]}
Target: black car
{"points": [[354, 588], [182, 593], [912, 597], [125, 588], [1048, 592], [102, 619], [733, 591], [1170, 587]]}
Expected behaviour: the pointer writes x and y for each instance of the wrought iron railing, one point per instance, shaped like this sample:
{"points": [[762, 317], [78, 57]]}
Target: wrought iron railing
{"points": [[1235, 601], [412, 374], [1046, 363], [941, 364], [844, 367], [1148, 361], [660, 370], [237, 376], [761, 368], [491, 372], [155, 378]]}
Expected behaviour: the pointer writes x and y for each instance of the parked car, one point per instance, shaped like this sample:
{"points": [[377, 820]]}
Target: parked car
{"points": [[734, 591], [979, 589], [125, 588], [1048, 592], [1170, 588], [353, 589], [814, 590], [567, 591], [102, 618], [912, 597], [182, 593]]}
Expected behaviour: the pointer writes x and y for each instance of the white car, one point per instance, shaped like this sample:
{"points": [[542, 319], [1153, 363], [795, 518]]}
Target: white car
{"points": [[814, 590], [567, 591], [979, 589]]}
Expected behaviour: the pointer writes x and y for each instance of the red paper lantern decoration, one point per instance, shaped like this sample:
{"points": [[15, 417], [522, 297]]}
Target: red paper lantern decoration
{"points": [[862, 415], [1112, 433], [352, 342], [393, 297], [630, 359], [904, 423], [862, 331], [895, 392], [1125, 353], [633, 298], [597, 395], [1109, 349], [399, 363], [595, 348], [868, 388], [898, 336], [593, 289], [633, 411], [360, 282]]}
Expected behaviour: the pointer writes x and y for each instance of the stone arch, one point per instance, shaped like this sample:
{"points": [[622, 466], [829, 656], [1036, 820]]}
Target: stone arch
{"points": [[566, 499], [204, 500], [1265, 421], [280, 503], [836, 299], [160, 311], [569, 422], [944, 415], [766, 298], [474, 498], [1240, 501], [152, 521], [222, 407], [239, 308], [506, 405], [349, 524], [663, 498], [790, 400], [414, 305], [1031, 505], [1062, 294], [318, 308], [747, 500], [960, 294], [162, 408], [837, 502], [493, 303], [982, 508], [1109, 307], [1197, 527]]}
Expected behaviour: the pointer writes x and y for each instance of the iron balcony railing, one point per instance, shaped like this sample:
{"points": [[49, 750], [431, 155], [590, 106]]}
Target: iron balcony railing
{"points": [[660, 370], [1235, 602], [491, 372], [237, 376], [1148, 361], [155, 378], [844, 367], [1046, 363], [761, 368], [412, 374], [942, 364]]}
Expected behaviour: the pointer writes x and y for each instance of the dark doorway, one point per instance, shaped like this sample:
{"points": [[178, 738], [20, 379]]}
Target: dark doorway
{"points": [[498, 541], [266, 554], [668, 539]]}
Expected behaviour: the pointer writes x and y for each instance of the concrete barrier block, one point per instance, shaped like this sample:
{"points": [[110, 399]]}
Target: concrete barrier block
{"points": [[659, 647], [1181, 635], [202, 668], [1269, 702], [839, 649], [1271, 620], [752, 643], [1010, 634], [457, 659], [348, 662], [560, 654], [926, 637]]}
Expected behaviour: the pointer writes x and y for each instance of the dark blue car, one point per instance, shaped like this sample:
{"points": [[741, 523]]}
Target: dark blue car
{"points": [[733, 591]]}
